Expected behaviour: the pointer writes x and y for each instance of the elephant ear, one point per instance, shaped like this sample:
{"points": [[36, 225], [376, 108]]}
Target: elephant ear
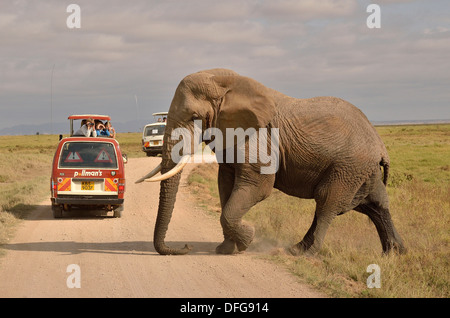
{"points": [[245, 103]]}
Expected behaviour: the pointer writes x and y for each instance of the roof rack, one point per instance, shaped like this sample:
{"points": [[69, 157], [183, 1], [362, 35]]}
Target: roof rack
{"points": [[93, 116], [160, 114]]}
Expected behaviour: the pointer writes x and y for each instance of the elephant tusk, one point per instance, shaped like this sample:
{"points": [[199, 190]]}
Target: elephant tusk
{"points": [[180, 165], [150, 174]]}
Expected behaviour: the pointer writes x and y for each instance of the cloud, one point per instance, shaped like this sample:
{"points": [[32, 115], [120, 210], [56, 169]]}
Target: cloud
{"points": [[302, 48], [308, 10], [267, 51], [394, 1]]}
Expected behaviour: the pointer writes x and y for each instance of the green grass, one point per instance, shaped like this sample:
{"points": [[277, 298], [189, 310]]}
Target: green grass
{"points": [[25, 166], [420, 152], [420, 204]]}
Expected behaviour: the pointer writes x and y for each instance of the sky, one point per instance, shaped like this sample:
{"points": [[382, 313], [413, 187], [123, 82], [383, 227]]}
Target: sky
{"points": [[127, 57]]}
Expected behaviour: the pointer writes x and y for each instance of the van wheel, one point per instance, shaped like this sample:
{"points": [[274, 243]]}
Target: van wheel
{"points": [[118, 212], [57, 211]]}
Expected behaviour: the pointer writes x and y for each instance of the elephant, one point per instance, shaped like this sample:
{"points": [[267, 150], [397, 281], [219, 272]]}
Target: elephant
{"points": [[327, 151]]}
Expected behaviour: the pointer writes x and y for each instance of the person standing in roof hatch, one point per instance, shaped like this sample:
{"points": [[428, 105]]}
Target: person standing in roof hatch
{"points": [[110, 128], [101, 130], [87, 130]]}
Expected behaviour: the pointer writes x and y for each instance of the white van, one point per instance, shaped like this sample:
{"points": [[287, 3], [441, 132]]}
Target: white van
{"points": [[152, 135]]}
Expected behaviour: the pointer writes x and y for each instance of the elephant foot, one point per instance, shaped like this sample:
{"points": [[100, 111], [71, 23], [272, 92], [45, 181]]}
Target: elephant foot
{"points": [[394, 247], [239, 243], [296, 250], [227, 247], [301, 249]]}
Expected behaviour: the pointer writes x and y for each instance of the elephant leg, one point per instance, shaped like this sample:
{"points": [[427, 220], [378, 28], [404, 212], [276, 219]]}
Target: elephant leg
{"points": [[226, 184], [244, 195], [332, 197], [237, 234], [376, 207], [313, 239]]}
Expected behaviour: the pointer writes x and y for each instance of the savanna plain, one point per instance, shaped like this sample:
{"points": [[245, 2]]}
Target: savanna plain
{"points": [[418, 187]]}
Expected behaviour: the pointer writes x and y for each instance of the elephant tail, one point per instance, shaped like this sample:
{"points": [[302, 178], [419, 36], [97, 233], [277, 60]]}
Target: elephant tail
{"points": [[385, 164]]}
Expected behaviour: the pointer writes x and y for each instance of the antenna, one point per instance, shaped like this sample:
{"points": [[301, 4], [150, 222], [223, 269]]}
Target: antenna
{"points": [[51, 102], [137, 111]]}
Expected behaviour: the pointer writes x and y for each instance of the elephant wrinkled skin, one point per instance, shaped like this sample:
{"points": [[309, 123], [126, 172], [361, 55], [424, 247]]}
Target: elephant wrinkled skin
{"points": [[328, 151]]}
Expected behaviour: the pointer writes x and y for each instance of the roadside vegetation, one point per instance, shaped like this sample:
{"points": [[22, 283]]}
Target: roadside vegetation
{"points": [[419, 190], [25, 165]]}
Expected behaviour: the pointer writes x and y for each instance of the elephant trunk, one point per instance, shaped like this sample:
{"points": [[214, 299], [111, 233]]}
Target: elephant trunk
{"points": [[167, 197]]}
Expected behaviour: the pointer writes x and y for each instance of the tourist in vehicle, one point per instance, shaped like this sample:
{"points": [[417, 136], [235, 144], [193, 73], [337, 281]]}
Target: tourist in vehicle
{"points": [[110, 128], [87, 129], [101, 130]]}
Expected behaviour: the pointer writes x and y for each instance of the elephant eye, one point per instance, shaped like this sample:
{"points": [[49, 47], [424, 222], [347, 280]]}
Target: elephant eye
{"points": [[195, 117]]}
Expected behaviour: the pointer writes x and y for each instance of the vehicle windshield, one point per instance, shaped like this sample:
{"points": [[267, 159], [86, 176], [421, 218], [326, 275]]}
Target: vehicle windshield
{"points": [[154, 130], [88, 155]]}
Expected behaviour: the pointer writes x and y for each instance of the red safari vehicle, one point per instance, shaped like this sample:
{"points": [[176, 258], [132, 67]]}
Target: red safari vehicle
{"points": [[87, 172]]}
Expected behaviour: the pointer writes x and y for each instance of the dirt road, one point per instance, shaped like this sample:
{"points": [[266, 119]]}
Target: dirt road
{"points": [[116, 258]]}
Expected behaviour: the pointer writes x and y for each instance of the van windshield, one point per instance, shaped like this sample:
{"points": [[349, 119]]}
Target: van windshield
{"points": [[88, 155], [154, 130]]}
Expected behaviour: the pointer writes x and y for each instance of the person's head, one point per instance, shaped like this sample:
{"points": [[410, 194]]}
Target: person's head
{"points": [[90, 123], [108, 124]]}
